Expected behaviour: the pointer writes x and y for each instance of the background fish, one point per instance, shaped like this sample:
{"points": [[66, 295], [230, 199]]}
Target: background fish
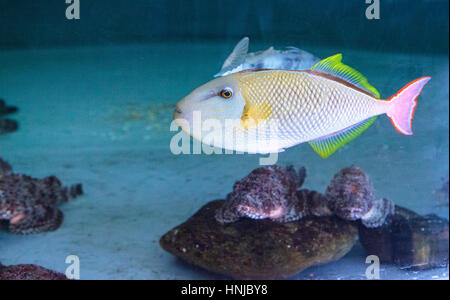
{"points": [[327, 106], [290, 59]]}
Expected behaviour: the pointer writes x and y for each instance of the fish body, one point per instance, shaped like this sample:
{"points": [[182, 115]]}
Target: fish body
{"points": [[327, 106], [307, 105], [290, 59]]}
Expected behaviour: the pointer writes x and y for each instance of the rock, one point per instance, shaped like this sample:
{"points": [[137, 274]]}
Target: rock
{"points": [[409, 240], [7, 126], [29, 272], [259, 249], [4, 109], [442, 193]]}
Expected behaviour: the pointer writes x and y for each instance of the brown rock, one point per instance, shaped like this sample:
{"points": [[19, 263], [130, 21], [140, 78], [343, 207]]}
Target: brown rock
{"points": [[409, 240], [259, 249]]}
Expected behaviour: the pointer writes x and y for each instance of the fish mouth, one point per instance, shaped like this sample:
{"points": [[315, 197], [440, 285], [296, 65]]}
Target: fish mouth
{"points": [[177, 113], [177, 110], [180, 119]]}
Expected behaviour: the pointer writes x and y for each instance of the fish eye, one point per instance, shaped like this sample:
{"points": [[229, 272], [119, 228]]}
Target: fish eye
{"points": [[226, 93]]}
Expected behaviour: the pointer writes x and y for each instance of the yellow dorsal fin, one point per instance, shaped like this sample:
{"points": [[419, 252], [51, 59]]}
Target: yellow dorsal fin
{"points": [[333, 65]]}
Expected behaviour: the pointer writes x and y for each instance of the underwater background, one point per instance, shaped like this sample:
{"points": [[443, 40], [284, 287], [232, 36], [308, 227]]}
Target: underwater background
{"points": [[96, 97]]}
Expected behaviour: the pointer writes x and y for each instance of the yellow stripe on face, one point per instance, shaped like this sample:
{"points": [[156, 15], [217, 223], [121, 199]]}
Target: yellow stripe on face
{"points": [[256, 109], [254, 114]]}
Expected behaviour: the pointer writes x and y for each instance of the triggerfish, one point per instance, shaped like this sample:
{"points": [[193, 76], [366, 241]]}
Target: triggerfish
{"points": [[327, 106], [290, 59]]}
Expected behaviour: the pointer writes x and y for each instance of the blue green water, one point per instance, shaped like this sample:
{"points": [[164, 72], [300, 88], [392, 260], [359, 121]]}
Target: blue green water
{"points": [[100, 115]]}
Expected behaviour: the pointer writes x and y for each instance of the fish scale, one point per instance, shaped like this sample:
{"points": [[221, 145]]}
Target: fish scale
{"points": [[305, 105]]}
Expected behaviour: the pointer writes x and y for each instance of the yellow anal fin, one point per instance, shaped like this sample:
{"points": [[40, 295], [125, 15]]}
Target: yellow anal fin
{"points": [[255, 114], [333, 65], [330, 144]]}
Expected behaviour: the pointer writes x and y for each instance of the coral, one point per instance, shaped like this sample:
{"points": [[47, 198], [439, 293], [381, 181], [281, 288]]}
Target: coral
{"points": [[271, 193], [259, 249], [352, 193], [30, 205], [29, 272], [268, 192], [312, 203], [352, 197], [381, 209]]}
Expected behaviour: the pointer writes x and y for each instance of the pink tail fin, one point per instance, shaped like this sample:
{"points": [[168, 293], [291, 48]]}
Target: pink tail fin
{"points": [[403, 104]]}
